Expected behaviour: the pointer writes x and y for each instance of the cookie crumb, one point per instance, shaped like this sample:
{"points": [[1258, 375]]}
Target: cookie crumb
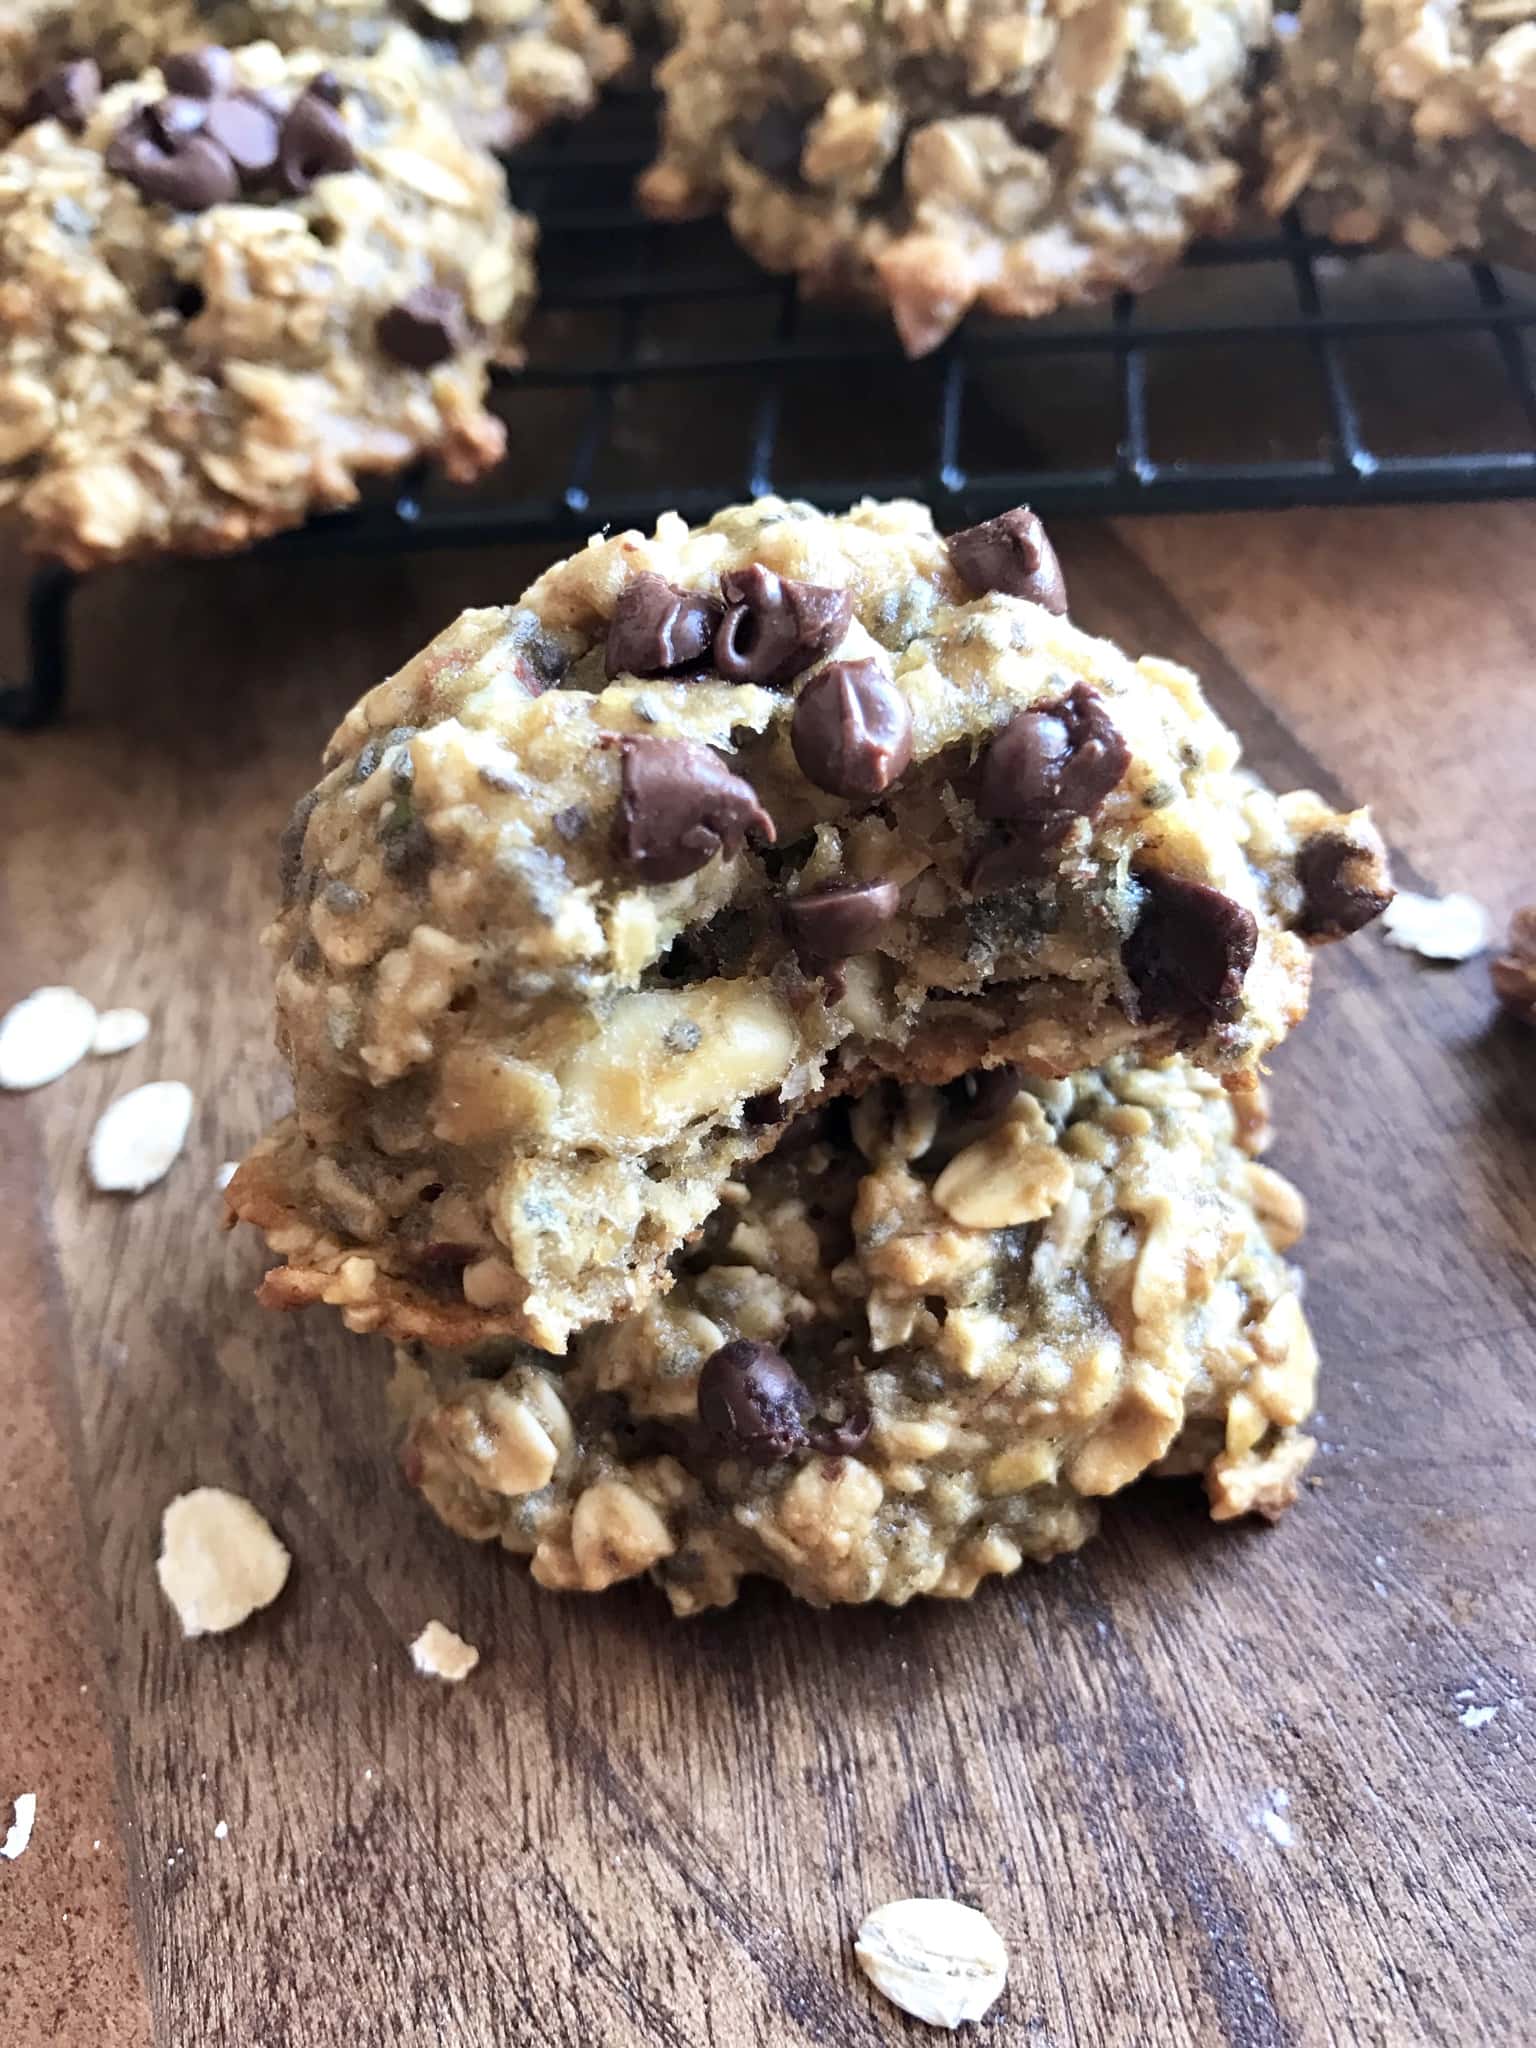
{"points": [[934, 1958], [1476, 1717], [220, 1830], [43, 1036], [136, 1141], [19, 1833], [219, 1560], [1436, 927], [117, 1031], [438, 1653], [1271, 1819]]}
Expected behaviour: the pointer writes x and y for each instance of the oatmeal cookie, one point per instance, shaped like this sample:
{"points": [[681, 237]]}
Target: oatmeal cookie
{"points": [[230, 290], [916, 1346], [606, 885], [1406, 121], [508, 66], [978, 152]]}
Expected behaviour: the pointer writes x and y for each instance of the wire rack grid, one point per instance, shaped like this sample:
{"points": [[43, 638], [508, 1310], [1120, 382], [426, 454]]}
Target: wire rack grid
{"points": [[666, 371]]}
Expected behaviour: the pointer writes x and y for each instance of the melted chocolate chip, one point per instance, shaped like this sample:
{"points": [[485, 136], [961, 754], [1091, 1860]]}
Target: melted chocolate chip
{"points": [[1343, 886], [852, 731], [774, 627], [425, 328], [67, 95], [680, 806], [659, 630], [836, 922], [1190, 950], [1010, 554], [248, 130], [1051, 764], [753, 1404], [314, 142], [202, 74], [189, 172], [1006, 859]]}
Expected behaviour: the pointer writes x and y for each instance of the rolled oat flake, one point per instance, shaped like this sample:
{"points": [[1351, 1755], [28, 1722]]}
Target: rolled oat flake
{"points": [[136, 1141], [43, 1036], [938, 1960]]}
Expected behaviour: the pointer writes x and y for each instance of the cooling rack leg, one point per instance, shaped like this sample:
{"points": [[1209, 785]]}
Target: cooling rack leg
{"points": [[38, 702]]}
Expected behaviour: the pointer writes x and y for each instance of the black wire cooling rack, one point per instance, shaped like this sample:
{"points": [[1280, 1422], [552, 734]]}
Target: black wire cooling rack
{"points": [[666, 370]]}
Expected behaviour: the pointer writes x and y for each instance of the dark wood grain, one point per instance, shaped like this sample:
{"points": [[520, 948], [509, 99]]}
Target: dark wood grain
{"points": [[625, 1830]]}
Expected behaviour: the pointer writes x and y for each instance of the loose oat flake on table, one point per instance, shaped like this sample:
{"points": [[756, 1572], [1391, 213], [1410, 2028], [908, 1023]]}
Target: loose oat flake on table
{"points": [[19, 1833], [609, 884], [138, 1140], [1436, 927], [938, 1960], [118, 1031], [219, 1561], [43, 1036]]}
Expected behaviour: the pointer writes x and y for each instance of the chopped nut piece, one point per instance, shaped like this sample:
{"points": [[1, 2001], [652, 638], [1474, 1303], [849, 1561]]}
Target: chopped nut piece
{"points": [[438, 1653], [136, 1141], [43, 1036], [219, 1560], [1436, 927], [938, 1960]]}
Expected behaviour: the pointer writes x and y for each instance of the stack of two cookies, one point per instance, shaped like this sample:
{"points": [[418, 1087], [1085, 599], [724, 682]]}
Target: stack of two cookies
{"points": [[775, 1018]]}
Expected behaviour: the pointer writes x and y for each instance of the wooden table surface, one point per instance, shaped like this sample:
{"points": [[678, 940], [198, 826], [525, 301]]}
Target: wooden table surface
{"points": [[1213, 1785]]}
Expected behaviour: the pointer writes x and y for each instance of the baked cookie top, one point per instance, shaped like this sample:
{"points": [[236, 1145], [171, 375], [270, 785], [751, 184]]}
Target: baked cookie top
{"points": [[232, 287], [975, 152], [1410, 121], [915, 1346], [605, 886]]}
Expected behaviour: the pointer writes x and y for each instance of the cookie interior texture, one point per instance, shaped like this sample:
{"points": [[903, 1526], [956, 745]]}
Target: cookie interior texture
{"points": [[1018, 158], [1409, 121], [915, 1346], [199, 352], [536, 1023], [505, 67]]}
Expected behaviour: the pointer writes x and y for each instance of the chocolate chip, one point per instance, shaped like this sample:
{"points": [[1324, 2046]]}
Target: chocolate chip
{"points": [[325, 85], [190, 173], [985, 1093], [1053, 763], [840, 920], [202, 74], [314, 141], [248, 129], [1343, 886], [852, 731], [1006, 859], [407, 852], [680, 806], [658, 630], [425, 328], [67, 95], [176, 116], [1010, 554], [1190, 950], [772, 141], [774, 627], [753, 1404]]}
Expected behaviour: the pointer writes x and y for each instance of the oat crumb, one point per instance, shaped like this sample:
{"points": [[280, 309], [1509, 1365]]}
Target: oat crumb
{"points": [[1476, 1717], [438, 1653], [219, 1560], [19, 1833], [221, 1829]]}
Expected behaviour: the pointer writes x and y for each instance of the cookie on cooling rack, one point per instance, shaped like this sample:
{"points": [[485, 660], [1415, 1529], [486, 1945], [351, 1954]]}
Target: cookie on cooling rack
{"points": [[906, 1359], [230, 289], [1406, 121], [511, 66], [607, 884], [941, 156]]}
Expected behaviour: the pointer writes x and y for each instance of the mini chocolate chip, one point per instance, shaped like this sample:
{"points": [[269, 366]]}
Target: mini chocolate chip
{"points": [[1053, 763], [1010, 554], [176, 116], [772, 141], [985, 1093], [657, 629], [1190, 950], [840, 920], [680, 806], [325, 85], [191, 173], [1343, 886], [775, 627], [842, 1439], [408, 852], [248, 129], [752, 1403], [313, 142], [425, 328], [851, 731], [202, 74], [67, 95]]}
